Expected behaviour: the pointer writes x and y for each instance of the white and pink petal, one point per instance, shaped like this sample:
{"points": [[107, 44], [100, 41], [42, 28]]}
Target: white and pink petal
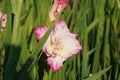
{"points": [[40, 31], [57, 8], [55, 63], [71, 46]]}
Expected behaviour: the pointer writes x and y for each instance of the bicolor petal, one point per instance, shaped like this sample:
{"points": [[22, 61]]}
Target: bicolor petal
{"points": [[71, 46], [40, 31], [57, 8], [55, 63], [61, 5]]}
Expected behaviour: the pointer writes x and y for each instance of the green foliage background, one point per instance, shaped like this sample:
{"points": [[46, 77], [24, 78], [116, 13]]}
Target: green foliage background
{"points": [[97, 22]]}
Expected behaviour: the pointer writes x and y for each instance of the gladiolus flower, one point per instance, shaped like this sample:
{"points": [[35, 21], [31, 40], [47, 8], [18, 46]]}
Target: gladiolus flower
{"points": [[60, 45], [57, 8]]}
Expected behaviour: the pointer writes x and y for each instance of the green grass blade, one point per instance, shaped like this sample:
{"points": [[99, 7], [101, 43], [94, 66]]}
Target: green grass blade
{"points": [[97, 75], [33, 57]]}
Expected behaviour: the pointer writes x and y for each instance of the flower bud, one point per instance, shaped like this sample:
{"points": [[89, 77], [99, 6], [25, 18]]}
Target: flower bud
{"points": [[57, 8]]}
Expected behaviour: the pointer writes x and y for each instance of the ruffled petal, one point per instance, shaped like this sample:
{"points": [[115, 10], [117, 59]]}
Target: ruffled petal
{"points": [[62, 4], [55, 63], [61, 25], [40, 31], [59, 30], [70, 45]]}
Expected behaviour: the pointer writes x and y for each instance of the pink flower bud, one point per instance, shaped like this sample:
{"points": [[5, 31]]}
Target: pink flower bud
{"points": [[57, 8], [4, 20]]}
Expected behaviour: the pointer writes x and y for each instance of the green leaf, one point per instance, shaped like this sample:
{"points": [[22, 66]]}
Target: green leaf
{"points": [[97, 75], [91, 51], [92, 25], [33, 57], [14, 8]]}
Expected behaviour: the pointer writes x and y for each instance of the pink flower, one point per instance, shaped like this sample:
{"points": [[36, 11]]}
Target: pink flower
{"points": [[57, 8], [60, 45], [3, 20]]}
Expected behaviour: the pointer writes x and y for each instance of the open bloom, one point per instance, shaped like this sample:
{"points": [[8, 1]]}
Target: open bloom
{"points": [[60, 45], [56, 8]]}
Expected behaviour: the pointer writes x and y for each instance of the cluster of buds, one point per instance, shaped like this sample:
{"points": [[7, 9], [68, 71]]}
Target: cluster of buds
{"points": [[3, 20]]}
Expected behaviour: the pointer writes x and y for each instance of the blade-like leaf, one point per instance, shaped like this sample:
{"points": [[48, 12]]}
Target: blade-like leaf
{"points": [[33, 57], [92, 25], [97, 75]]}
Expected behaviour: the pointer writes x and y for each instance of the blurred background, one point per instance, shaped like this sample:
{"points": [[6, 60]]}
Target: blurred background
{"points": [[96, 21]]}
